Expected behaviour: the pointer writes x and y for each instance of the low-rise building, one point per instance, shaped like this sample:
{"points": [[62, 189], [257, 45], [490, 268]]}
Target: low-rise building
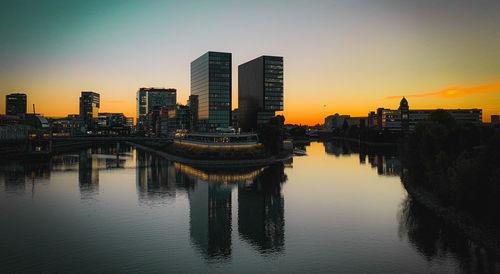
{"points": [[335, 122], [495, 120], [404, 118]]}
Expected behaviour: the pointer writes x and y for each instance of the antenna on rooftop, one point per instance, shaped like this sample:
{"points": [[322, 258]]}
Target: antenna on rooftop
{"points": [[34, 109]]}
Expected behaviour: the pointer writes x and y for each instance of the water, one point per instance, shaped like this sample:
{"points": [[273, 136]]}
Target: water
{"points": [[333, 210]]}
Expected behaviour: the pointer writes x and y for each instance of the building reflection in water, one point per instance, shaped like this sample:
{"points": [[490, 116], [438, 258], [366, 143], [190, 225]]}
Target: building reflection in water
{"points": [[90, 161], [88, 174], [383, 159], [21, 177], [14, 178], [261, 210], [210, 218], [260, 203], [158, 180], [435, 240]]}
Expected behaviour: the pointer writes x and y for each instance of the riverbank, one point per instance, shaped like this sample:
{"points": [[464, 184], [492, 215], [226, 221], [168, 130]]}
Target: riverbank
{"points": [[483, 235], [380, 144], [213, 163]]}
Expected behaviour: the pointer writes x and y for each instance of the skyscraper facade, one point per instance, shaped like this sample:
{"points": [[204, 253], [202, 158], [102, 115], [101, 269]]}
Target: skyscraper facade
{"points": [[211, 82], [260, 91], [149, 99], [89, 107], [15, 104]]}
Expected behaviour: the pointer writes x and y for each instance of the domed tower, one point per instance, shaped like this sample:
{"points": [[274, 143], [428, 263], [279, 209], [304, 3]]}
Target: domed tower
{"points": [[404, 108]]}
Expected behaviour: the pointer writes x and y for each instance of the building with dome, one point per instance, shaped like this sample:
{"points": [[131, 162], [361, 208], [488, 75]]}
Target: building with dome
{"points": [[405, 119]]}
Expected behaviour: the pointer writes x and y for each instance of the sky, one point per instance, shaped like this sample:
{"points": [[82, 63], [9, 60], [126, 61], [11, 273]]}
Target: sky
{"points": [[346, 57]]}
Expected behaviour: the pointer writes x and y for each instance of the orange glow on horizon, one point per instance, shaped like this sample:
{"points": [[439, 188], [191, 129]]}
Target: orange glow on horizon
{"points": [[306, 108]]}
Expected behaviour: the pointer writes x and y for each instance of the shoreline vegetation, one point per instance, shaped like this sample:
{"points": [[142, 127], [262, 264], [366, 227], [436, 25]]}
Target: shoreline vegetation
{"points": [[486, 236], [453, 169]]}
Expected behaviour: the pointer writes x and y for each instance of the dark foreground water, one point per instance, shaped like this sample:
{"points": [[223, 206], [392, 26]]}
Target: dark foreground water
{"points": [[330, 211]]}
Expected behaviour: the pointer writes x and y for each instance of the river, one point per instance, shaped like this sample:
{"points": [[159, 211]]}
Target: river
{"points": [[338, 209]]}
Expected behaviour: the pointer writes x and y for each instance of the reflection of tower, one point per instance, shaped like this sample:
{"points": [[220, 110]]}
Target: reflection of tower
{"points": [[15, 179], [261, 210], [88, 174], [380, 164], [155, 182], [210, 218], [362, 157], [331, 148]]}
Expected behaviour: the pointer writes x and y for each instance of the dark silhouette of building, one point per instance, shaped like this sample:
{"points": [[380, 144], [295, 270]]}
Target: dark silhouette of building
{"points": [[405, 114], [495, 120], [89, 108], [404, 118], [211, 82], [15, 104], [150, 99], [193, 112], [234, 118], [260, 91]]}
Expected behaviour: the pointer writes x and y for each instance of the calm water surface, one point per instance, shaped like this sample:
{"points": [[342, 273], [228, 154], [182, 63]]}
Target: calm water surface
{"points": [[333, 210]]}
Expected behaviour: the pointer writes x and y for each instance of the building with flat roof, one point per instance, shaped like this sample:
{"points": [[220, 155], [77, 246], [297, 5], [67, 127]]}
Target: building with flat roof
{"points": [[89, 107], [149, 99], [15, 104], [211, 82], [260, 91], [174, 118], [495, 120]]}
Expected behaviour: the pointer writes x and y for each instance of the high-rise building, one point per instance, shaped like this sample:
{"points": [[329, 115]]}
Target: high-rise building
{"points": [[260, 91], [149, 99], [15, 104], [211, 82], [89, 107]]}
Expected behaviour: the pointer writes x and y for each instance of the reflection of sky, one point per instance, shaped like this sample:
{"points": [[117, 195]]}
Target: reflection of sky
{"points": [[349, 55], [330, 212]]}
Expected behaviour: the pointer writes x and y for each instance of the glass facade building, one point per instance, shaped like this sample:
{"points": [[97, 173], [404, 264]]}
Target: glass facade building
{"points": [[149, 99], [211, 83], [15, 104], [260, 91]]}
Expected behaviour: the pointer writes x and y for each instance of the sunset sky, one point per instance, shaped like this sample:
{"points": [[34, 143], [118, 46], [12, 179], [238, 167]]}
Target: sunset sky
{"points": [[345, 57]]}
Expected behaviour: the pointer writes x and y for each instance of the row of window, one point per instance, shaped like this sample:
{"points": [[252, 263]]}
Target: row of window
{"points": [[267, 84]]}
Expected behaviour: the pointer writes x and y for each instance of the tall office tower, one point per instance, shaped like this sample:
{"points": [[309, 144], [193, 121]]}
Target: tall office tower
{"points": [[260, 91], [211, 82], [89, 107], [15, 104], [149, 99]]}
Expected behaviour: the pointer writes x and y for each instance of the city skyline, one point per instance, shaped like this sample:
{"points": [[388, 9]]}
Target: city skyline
{"points": [[340, 57]]}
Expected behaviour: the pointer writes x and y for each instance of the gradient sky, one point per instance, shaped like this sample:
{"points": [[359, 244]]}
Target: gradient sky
{"points": [[345, 57]]}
